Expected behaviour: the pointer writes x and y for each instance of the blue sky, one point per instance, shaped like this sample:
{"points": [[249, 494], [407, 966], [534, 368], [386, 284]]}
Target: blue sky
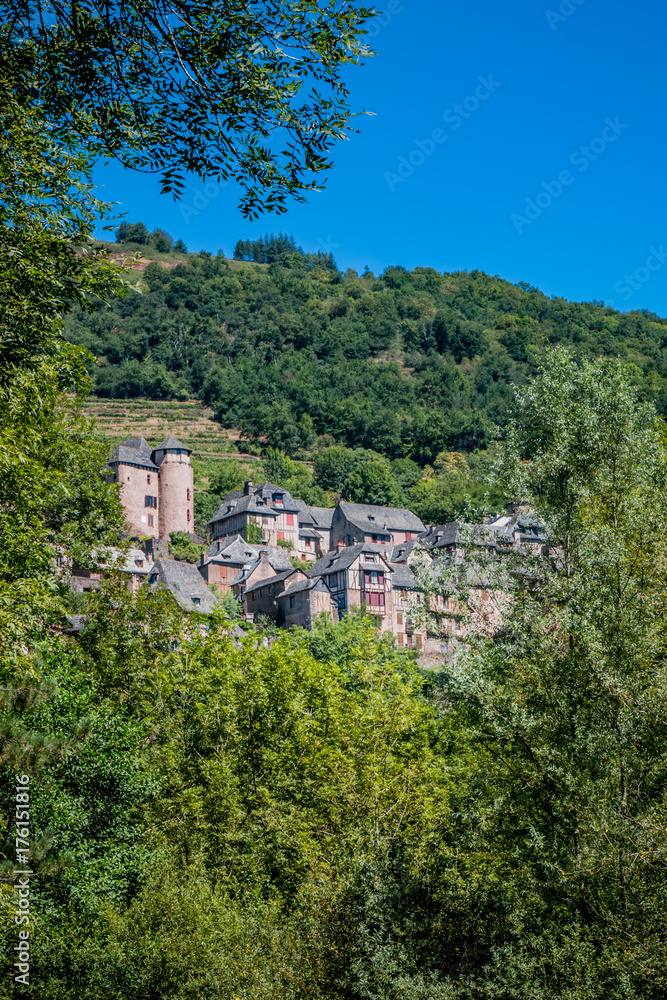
{"points": [[549, 171]]}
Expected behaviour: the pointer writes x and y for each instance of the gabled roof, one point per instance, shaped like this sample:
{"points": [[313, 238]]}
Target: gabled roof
{"points": [[172, 442], [441, 536], [185, 583], [340, 559], [322, 516], [244, 504], [268, 581], [296, 588], [370, 517], [400, 553], [402, 576], [233, 549]]}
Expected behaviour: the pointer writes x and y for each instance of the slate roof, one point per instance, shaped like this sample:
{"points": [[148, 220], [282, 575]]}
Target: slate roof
{"points": [[400, 553], [126, 562], [343, 558], [369, 516], [185, 583], [272, 579], [322, 516], [259, 501], [126, 454], [440, 536], [247, 504], [402, 576], [301, 585], [172, 442], [233, 549]]}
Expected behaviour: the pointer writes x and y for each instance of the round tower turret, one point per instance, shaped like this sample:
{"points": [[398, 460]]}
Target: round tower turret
{"points": [[176, 490]]}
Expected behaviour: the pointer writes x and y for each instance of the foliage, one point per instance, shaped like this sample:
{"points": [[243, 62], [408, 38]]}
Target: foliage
{"points": [[360, 357], [195, 88], [253, 532], [181, 546], [132, 232]]}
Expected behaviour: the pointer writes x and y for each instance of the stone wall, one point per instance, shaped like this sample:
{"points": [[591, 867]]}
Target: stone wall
{"points": [[176, 507], [136, 485]]}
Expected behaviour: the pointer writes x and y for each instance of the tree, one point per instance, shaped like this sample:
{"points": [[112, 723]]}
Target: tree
{"points": [[567, 700], [278, 467], [204, 98], [373, 482], [132, 232], [334, 466], [179, 246], [161, 240]]}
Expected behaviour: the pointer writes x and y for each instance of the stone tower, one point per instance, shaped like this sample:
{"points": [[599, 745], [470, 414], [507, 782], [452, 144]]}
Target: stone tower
{"points": [[132, 466], [176, 494]]}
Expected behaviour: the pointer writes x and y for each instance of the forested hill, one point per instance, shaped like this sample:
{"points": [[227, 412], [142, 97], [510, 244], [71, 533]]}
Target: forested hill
{"points": [[407, 363]]}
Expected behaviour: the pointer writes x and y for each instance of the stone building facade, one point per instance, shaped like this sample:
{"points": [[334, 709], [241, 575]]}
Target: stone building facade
{"points": [[157, 486]]}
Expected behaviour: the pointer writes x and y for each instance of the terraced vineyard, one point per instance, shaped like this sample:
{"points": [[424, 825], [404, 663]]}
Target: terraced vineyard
{"points": [[191, 422]]}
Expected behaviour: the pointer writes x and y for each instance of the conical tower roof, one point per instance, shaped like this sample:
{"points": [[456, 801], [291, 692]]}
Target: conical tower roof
{"points": [[171, 442]]}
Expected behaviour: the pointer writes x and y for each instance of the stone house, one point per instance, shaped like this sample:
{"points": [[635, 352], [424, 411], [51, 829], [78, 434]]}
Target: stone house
{"points": [[157, 486], [272, 510], [228, 562], [353, 523], [358, 575], [302, 601], [314, 530], [259, 597]]}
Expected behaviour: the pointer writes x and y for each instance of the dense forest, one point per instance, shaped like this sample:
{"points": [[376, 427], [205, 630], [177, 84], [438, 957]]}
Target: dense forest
{"points": [[409, 364]]}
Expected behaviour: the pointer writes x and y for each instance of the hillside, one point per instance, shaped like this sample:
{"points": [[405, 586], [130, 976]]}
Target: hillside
{"points": [[407, 363]]}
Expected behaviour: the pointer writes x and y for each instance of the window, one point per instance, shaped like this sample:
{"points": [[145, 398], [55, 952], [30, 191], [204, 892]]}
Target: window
{"points": [[196, 601], [188, 494], [148, 479], [376, 600], [408, 536], [139, 562], [153, 578], [308, 543], [372, 576], [290, 518], [188, 512], [150, 502], [281, 534], [278, 499], [399, 618], [265, 520], [150, 520], [291, 602], [371, 517], [400, 638]]}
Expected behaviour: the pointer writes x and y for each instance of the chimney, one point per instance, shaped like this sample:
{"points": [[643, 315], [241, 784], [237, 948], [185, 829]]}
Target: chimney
{"points": [[340, 545], [264, 556], [247, 489]]}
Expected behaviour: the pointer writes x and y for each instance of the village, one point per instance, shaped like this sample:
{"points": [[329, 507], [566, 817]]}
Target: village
{"points": [[287, 562]]}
